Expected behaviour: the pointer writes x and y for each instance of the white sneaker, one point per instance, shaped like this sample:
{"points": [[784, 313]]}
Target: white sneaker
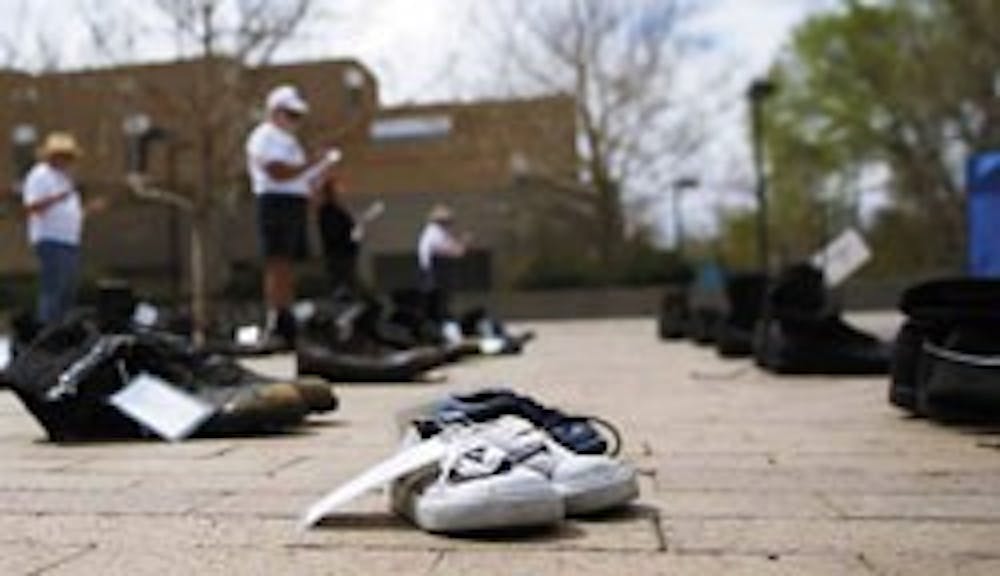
{"points": [[588, 484], [476, 487]]}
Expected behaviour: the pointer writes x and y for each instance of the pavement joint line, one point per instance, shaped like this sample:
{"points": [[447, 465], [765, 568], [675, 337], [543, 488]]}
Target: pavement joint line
{"points": [[828, 502], [926, 519], [868, 564], [225, 450], [761, 553], [653, 474], [656, 523], [842, 491], [439, 557], [646, 449], [60, 562], [199, 510], [459, 547], [272, 473]]}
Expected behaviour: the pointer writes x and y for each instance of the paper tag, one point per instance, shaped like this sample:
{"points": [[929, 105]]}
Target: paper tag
{"points": [[452, 333], [169, 412], [303, 311], [404, 462], [374, 212], [248, 335], [491, 346], [145, 315], [4, 353], [847, 254]]}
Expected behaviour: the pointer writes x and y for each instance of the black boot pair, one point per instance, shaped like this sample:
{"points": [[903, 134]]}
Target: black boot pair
{"points": [[801, 332], [947, 360], [345, 341], [68, 374]]}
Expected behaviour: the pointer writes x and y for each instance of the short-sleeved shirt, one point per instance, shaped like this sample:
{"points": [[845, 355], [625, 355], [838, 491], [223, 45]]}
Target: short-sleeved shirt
{"points": [[266, 145], [60, 222], [434, 241]]}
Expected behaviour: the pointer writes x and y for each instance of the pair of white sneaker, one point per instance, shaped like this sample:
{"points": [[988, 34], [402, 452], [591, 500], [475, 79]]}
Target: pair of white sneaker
{"points": [[508, 474]]}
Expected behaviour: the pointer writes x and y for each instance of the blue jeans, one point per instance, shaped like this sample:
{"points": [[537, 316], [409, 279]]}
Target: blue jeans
{"points": [[60, 271]]}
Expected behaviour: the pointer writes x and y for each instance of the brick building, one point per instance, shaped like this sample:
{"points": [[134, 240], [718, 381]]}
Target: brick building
{"points": [[409, 157]]}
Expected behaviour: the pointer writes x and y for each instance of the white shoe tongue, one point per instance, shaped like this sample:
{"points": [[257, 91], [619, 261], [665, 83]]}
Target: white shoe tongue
{"points": [[403, 463], [515, 436]]}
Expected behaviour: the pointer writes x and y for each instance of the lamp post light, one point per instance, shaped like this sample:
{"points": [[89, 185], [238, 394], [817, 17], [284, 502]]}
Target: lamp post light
{"points": [[140, 134], [760, 90], [679, 187]]}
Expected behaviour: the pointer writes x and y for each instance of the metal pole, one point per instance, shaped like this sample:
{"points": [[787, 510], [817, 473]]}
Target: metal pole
{"points": [[760, 90], [763, 234], [676, 217], [679, 186]]}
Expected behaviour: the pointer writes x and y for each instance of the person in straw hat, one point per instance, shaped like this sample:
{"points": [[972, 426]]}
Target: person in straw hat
{"points": [[437, 249], [55, 223]]}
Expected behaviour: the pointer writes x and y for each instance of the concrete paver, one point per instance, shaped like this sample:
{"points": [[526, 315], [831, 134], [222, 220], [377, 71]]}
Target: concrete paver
{"points": [[742, 473]]}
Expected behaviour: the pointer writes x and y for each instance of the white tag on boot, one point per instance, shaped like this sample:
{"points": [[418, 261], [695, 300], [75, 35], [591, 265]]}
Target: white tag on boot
{"points": [[5, 352], [249, 335], [145, 315], [165, 410], [844, 256]]}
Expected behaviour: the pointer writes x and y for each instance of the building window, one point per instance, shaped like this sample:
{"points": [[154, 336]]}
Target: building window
{"points": [[405, 128], [354, 87]]}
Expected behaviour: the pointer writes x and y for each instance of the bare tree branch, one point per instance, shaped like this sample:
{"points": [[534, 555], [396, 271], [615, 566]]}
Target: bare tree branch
{"points": [[618, 59]]}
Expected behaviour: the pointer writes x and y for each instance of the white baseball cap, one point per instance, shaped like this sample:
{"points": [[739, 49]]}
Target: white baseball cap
{"points": [[287, 97]]}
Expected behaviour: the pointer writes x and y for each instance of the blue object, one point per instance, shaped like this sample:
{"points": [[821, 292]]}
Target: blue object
{"points": [[60, 270], [574, 432], [984, 214]]}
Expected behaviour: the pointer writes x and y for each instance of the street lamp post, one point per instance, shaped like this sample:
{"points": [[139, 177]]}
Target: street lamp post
{"points": [[759, 92], [679, 187]]}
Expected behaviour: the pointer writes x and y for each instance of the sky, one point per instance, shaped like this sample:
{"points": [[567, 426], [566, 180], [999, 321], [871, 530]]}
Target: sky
{"points": [[431, 50], [412, 42]]}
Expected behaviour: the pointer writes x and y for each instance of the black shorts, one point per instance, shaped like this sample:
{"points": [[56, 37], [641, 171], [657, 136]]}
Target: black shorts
{"points": [[282, 225]]}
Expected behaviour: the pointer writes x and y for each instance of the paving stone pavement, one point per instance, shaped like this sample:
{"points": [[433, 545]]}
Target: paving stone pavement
{"points": [[742, 473]]}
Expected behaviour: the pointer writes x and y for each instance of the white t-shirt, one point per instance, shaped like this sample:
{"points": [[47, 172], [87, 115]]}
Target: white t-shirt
{"points": [[268, 144], [435, 240], [60, 222]]}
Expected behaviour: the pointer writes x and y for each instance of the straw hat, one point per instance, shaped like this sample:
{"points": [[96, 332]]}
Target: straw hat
{"points": [[441, 213], [58, 143]]}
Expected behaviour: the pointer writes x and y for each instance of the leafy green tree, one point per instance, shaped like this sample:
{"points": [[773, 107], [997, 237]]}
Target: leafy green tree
{"points": [[906, 86]]}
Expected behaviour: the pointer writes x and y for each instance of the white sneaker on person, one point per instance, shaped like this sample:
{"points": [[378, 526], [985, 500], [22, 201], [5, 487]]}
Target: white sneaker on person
{"points": [[476, 487]]}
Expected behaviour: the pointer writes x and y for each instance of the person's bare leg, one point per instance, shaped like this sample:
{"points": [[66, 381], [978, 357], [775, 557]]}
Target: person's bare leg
{"points": [[279, 289]]}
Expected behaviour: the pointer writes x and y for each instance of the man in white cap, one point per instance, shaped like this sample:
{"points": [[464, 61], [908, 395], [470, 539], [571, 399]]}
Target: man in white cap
{"points": [[282, 178], [437, 249], [55, 223]]}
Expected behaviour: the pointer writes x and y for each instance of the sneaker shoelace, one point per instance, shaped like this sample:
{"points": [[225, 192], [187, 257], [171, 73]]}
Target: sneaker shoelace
{"points": [[552, 418], [480, 450], [472, 458]]}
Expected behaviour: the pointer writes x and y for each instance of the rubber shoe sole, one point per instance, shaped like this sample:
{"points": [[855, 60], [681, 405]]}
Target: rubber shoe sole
{"points": [[518, 499], [602, 490], [317, 394]]}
